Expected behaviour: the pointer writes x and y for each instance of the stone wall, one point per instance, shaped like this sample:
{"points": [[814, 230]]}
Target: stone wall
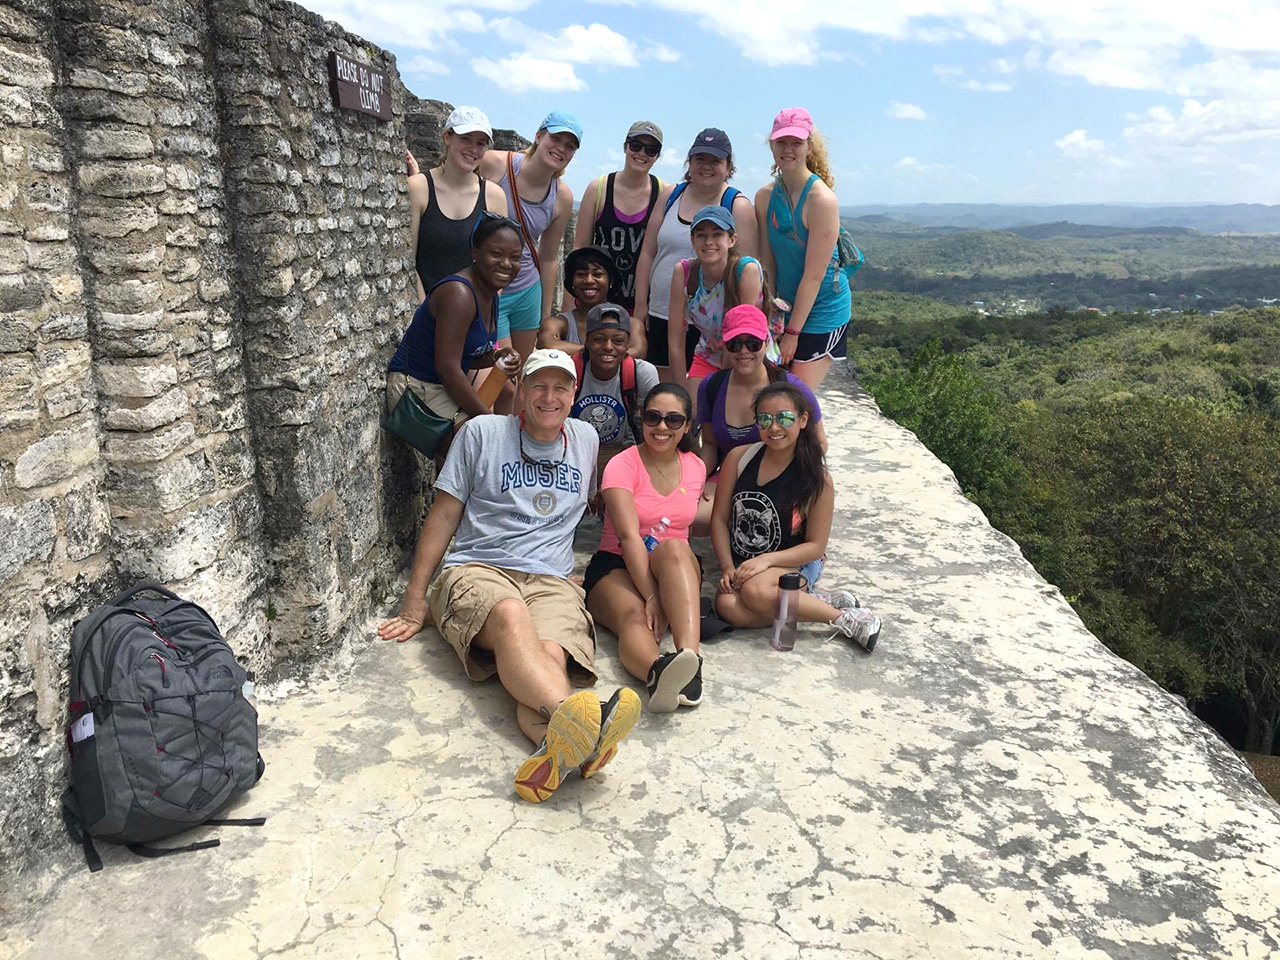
{"points": [[203, 268]]}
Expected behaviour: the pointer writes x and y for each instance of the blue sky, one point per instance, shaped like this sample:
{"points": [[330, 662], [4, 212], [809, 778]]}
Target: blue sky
{"points": [[1016, 101]]}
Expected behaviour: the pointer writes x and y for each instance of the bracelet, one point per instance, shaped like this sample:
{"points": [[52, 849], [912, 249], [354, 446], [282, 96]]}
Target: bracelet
{"points": [[792, 333], [650, 597]]}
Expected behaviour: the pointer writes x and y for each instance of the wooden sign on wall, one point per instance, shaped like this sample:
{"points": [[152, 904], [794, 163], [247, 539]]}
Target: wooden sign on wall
{"points": [[356, 86]]}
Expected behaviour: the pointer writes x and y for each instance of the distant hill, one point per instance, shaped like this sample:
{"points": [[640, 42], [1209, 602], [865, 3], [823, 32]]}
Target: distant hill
{"points": [[1044, 231], [1208, 218]]}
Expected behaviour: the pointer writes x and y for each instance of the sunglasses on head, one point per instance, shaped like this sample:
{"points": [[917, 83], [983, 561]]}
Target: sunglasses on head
{"points": [[639, 146], [785, 418], [674, 421], [487, 215], [744, 342]]}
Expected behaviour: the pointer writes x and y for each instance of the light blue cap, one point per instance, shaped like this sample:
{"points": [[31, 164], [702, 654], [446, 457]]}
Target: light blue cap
{"points": [[562, 121], [713, 213]]}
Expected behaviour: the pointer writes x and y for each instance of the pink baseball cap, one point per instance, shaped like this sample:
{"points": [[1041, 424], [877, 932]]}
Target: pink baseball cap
{"points": [[792, 122], [744, 319]]}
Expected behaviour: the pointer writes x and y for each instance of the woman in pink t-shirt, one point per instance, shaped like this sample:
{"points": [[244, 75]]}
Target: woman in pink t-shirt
{"points": [[645, 576]]}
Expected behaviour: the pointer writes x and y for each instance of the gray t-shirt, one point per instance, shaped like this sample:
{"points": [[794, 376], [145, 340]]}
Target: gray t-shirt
{"points": [[518, 515], [599, 403]]}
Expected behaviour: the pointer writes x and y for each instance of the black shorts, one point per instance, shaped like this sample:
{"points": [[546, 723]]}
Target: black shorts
{"points": [[659, 354], [815, 346], [602, 564]]}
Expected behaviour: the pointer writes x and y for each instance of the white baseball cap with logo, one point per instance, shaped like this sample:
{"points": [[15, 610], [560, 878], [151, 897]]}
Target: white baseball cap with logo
{"points": [[469, 120], [541, 359]]}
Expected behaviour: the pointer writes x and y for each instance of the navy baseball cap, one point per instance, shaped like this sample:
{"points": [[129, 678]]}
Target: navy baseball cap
{"points": [[712, 141]]}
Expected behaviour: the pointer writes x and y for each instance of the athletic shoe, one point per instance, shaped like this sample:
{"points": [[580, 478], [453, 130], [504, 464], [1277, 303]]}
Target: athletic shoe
{"points": [[860, 626], [571, 737], [618, 717], [840, 599], [669, 675], [691, 695]]}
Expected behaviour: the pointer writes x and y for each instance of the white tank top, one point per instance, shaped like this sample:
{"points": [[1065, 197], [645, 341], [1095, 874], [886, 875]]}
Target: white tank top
{"points": [[674, 245]]}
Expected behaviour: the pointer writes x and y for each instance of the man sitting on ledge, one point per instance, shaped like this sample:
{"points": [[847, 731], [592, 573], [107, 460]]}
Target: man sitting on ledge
{"points": [[513, 490]]}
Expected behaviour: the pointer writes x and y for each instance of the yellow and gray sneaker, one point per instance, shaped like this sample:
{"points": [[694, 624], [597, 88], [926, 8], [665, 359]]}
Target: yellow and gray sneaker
{"points": [[572, 734], [618, 717]]}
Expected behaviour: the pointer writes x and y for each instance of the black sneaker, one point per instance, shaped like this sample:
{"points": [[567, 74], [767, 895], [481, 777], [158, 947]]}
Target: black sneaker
{"points": [[691, 695], [670, 674]]}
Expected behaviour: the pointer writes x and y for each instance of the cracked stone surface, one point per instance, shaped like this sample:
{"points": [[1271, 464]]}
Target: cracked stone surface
{"points": [[990, 782]]}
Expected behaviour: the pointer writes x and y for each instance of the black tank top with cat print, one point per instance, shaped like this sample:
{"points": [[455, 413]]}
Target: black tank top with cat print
{"points": [[763, 517]]}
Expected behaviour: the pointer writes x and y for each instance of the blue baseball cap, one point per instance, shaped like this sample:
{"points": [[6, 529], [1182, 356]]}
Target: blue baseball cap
{"points": [[713, 213], [562, 121]]}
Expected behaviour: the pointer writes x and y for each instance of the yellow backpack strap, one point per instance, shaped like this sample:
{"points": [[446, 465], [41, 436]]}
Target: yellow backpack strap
{"points": [[600, 191]]}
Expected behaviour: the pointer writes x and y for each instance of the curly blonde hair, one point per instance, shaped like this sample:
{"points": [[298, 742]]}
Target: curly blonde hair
{"points": [[816, 160]]}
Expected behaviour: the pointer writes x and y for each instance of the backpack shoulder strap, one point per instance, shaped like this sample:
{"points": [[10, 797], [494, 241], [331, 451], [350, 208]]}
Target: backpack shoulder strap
{"points": [[691, 276], [604, 183], [515, 195], [580, 365], [675, 195], [727, 198], [627, 376], [717, 385], [655, 191], [747, 455]]}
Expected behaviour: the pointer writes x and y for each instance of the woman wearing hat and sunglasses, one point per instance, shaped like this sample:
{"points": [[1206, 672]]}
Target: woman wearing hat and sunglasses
{"points": [[799, 222], [667, 237], [621, 204]]}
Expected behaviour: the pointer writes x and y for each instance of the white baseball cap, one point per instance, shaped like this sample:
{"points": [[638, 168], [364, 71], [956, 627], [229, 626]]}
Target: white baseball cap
{"points": [[469, 120], [540, 359]]}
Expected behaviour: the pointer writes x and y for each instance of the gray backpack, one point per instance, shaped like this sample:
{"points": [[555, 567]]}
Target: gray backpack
{"points": [[161, 733]]}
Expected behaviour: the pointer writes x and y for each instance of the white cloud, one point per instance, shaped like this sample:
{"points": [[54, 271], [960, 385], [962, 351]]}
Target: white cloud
{"points": [[1078, 144], [662, 53], [424, 66], [425, 27], [957, 77], [905, 111], [1204, 131], [521, 74], [591, 44], [910, 166]]}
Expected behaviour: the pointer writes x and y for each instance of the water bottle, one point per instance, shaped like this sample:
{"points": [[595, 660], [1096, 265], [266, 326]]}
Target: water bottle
{"points": [[655, 534], [784, 620]]}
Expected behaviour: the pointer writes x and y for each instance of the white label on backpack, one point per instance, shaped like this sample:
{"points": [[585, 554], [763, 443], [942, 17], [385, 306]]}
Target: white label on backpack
{"points": [[82, 729]]}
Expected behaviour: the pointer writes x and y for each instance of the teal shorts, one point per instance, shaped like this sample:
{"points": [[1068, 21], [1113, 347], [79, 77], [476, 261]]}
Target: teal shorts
{"points": [[521, 310]]}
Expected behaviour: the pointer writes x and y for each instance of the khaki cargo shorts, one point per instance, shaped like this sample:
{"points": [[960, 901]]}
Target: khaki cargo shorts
{"points": [[461, 598]]}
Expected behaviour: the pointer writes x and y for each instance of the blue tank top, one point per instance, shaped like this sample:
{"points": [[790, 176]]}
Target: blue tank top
{"points": [[416, 354], [788, 239]]}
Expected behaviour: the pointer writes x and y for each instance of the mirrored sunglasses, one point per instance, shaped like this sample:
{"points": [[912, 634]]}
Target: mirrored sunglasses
{"points": [[674, 421], [785, 418], [744, 342], [639, 146]]}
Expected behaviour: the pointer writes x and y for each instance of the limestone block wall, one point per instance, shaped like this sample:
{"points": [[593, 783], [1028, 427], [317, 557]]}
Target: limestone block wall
{"points": [[203, 269]]}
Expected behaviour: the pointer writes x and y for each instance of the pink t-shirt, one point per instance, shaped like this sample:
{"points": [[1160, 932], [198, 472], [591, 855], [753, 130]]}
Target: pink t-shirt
{"points": [[626, 471]]}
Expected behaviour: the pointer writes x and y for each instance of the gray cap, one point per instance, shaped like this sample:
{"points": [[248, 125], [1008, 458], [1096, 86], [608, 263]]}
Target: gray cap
{"points": [[608, 316], [646, 128]]}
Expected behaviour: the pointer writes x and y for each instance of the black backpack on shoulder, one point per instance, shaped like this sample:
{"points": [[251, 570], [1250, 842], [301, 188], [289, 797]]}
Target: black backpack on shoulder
{"points": [[162, 734]]}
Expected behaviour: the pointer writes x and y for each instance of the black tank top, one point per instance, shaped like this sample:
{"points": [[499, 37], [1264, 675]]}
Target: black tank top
{"points": [[444, 245], [763, 518], [622, 239]]}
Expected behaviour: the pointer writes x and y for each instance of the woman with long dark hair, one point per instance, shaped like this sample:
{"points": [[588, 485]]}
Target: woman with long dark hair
{"points": [[772, 516], [645, 576]]}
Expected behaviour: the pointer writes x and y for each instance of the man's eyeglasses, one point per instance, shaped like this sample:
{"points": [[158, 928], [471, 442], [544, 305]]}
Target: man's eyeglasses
{"points": [[785, 419], [639, 146], [544, 463], [744, 342], [674, 421]]}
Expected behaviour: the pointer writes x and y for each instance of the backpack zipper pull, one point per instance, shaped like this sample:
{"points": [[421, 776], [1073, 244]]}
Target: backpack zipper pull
{"points": [[164, 674]]}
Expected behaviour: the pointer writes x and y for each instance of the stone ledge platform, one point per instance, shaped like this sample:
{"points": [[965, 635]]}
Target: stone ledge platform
{"points": [[991, 782]]}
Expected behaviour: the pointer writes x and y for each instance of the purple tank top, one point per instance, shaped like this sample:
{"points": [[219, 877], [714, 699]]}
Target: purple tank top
{"points": [[537, 217]]}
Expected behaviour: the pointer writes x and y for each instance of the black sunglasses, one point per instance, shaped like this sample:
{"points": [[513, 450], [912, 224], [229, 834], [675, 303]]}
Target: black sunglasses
{"points": [[746, 341], [487, 215], [639, 146], [674, 421]]}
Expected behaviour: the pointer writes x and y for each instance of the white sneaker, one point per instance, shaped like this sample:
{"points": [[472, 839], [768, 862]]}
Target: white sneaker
{"points": [[840, 599], [860, 626]]}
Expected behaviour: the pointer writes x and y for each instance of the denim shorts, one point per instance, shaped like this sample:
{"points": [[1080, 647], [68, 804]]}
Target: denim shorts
{"points": [[811, 571]]}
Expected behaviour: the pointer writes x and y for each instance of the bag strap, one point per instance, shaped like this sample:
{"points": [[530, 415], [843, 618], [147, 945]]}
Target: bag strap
{"points": [[154, 853], [690, 278], [79, 835], [604, 184], [727, 198], [515, 195], [627, 377], [717, 384], [580, 365], [675, 195], [747, 455]]}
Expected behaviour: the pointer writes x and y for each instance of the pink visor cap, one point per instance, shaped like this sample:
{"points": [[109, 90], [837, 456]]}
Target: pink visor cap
{"points": [[792, 122], [744, 319]]}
